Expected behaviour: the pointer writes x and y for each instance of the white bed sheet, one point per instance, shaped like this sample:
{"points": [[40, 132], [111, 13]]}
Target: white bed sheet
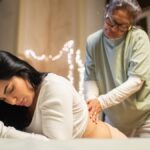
{"points": [[77, 144]]}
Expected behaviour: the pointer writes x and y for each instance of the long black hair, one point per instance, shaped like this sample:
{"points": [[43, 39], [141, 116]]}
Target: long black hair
{"points": [[132, 6], [10, 66]]}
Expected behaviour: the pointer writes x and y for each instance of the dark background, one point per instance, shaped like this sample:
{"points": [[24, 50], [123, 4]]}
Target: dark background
{"points": [[143, 3]]}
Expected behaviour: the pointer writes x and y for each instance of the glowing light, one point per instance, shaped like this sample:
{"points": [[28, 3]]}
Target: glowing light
{"points": [[67, 48], [81, 72]]}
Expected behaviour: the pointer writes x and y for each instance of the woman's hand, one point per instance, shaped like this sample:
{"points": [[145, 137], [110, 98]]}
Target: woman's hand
{"points": [[94, 108]]}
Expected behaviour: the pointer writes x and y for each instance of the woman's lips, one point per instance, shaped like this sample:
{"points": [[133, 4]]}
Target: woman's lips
{"points": [[23, 103]]}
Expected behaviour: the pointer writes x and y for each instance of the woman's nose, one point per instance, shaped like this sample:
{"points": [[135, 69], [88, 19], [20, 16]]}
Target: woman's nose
{"points": [[11, 100], [114, 28]]}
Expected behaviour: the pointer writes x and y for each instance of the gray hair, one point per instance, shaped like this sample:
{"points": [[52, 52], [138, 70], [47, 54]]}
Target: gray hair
{"points": [[132, 6]]}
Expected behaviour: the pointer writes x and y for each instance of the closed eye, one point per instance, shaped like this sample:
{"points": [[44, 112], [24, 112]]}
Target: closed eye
{"points": [[8, 89]]}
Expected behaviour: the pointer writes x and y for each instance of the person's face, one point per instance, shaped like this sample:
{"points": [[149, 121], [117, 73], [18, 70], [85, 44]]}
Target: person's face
{"points": [[17, 91], [117, 24]]}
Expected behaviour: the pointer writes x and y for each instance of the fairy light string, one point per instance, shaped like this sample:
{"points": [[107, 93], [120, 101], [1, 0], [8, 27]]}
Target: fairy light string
{"points": [[69, 49]]}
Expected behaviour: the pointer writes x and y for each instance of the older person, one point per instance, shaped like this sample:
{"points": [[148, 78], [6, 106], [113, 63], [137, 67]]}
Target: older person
{"points": [[117, 70]]}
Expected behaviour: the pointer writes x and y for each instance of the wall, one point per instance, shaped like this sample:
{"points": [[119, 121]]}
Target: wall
{"points": [[8, 24], [46, 25]]}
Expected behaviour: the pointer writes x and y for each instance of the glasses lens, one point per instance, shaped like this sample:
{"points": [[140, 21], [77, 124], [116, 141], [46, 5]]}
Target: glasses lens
{"points": [[112, 23], [124, 29], [109, 20]]}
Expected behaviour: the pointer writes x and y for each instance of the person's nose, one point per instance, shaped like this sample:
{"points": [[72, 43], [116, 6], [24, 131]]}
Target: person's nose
{"points": [[12, 100], [114, 28]]}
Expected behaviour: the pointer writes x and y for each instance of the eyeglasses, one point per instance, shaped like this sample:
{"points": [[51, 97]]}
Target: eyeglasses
{"points": [[112, 23]]}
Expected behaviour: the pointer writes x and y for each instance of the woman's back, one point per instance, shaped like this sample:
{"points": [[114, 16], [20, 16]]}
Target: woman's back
{"points": [[60, 112]]}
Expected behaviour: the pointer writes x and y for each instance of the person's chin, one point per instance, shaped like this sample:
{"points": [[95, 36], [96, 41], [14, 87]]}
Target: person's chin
{"points": [[112, 37]]}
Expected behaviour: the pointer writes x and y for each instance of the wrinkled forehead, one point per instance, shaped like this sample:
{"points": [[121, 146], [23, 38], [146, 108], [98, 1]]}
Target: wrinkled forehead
{"points": [[122, 16], [125, 12]]}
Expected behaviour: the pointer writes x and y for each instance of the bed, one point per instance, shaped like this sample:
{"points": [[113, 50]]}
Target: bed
{"points": [[77, 144]]}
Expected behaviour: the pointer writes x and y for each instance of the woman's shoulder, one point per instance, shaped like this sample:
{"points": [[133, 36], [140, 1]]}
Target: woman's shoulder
{"points": [[138, 32], [54, 82], [55, 90], [95, 36], [52, 86], [54, 78]]}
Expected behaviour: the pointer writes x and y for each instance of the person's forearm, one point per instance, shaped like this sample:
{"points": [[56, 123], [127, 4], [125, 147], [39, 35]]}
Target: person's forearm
{"points": [[121, 93], [10, 132], [90, 90]]}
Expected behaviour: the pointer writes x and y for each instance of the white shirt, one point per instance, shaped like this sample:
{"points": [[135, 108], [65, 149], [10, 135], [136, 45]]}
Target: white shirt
{"points": [[60, 113], [115, 96]]}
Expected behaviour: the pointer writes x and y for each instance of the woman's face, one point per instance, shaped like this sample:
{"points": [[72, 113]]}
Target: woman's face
{"points": [[117, 23], [17, 91]]}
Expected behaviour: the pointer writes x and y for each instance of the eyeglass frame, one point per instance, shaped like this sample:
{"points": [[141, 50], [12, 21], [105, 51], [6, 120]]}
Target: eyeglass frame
{"points": [[113, 23]]}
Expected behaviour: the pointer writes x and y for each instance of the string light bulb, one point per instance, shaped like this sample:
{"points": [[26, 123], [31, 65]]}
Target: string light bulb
{"points": [[69, 49]]}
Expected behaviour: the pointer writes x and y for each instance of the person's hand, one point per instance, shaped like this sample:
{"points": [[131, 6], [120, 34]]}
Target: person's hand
{"points": [[94, 108]]}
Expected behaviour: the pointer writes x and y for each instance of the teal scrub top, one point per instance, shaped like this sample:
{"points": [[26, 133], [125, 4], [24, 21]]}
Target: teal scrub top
{"points": [[110, 63]]}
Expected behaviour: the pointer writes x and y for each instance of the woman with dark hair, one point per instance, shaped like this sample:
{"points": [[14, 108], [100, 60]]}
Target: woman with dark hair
{"points": [[44, 104], [11, 66], [117, 70]]}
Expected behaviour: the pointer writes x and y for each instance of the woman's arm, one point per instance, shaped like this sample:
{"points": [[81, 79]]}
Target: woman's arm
{"points": [[90, 90], [10, 132], [114, 97], [121, 93]]}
